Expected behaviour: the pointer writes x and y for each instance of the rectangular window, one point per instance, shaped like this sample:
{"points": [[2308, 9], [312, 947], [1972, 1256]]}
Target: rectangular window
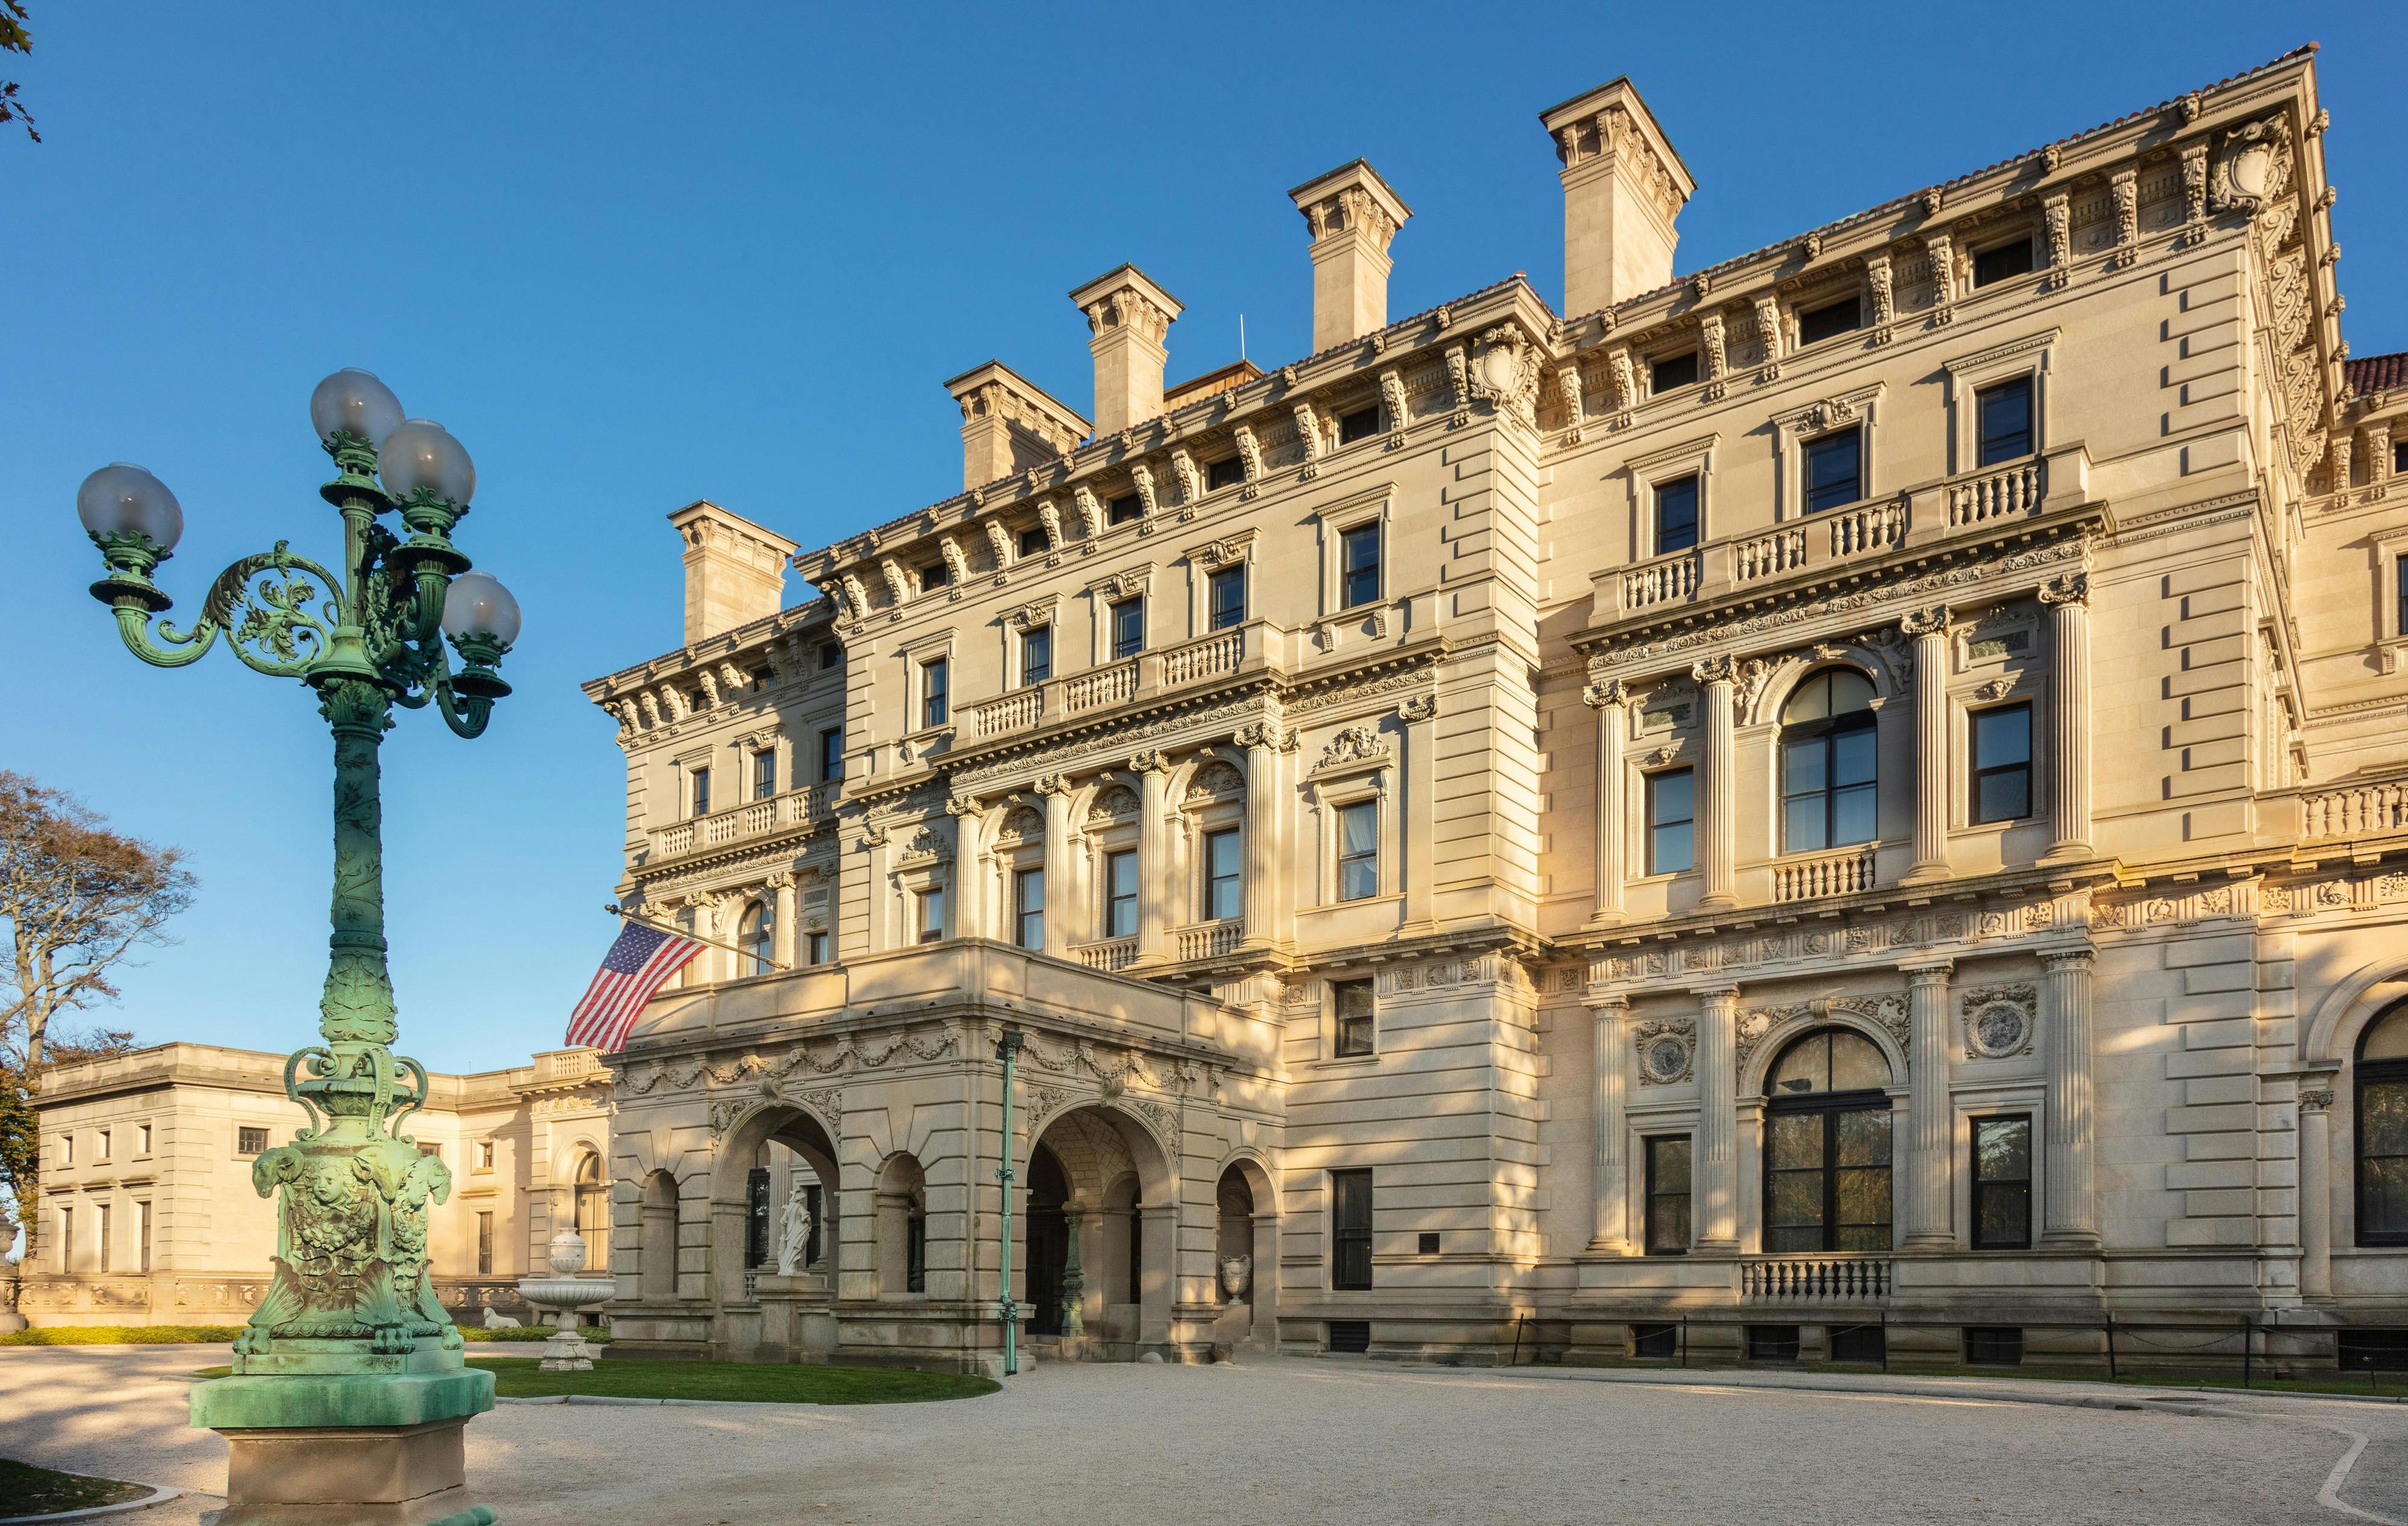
{"points": [[817, 946], [756, 1217], [1350, 1229], [935, 576], [1120, 895], [142, 1139], [1666, 372], [1676, 515], [250, 1141], [931, 906], [701, 793], [1037, 655], [2002, 782], [66, 1240], [1994, 1345], [142, 1234], [1361, 424], [1358, 850], [484, 1155], [932, 692], [486, 1244], [1828, 321], [1772, 1342], [1358, 577], [1225, 472], [1357, 1024], [1656, 1341], [2006, 259], [2002, 422], [1834, 470], [2002, 1183], [1033, 541], [66, 1149], [2399, 458], [832, 755], [915, 1253], [102, 1153], [1671, 821], [1223, 883], [831, 654], [765, 773], [429, 1149], [1123, 508], [101, 1220], [1228, 596], [1028, 908], [1668, 1194], [1129, 628]]}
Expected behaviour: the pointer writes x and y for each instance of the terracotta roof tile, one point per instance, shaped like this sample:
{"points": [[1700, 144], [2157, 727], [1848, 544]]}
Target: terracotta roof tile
{"points": [[2375, 373]]}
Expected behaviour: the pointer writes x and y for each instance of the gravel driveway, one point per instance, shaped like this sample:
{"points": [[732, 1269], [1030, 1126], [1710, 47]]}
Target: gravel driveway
{"points": [[1340, 1441]]}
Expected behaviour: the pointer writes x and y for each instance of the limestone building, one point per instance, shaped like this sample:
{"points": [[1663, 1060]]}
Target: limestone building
{"points": [[148, 1214], [1849, 801]]}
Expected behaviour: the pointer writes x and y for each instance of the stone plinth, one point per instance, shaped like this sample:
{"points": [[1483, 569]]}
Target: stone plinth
{"points": [[796, 1323], [346, 1449]]}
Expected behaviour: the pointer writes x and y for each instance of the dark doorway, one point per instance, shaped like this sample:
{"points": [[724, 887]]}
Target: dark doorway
{"points": [[1048, 1241]]}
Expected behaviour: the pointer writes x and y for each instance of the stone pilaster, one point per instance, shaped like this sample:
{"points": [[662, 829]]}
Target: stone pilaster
{"points": [[1608, 1170], [2070, 1212], [783, 917], [1416, 789], [1717, 831], [1154, 850], [1929, 1123], [2315, 1188], [1716, 1175], [2068, 599], [1928, 628], [1612, 717], [1059, 879]]}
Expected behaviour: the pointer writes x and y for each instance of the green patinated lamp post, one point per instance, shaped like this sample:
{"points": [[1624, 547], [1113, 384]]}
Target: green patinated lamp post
{"points": [[350, 1395]]}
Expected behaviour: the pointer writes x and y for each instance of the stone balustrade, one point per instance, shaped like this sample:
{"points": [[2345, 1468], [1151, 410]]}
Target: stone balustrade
{"points": [[2007, 492], [1112, 685], [1211, 940], [753, 818], [1020, 710], [1661, 582], [1220, 652], [1110, 954], [1827, 874], [2369, 809], [1758, 557], [1815, 1279]]}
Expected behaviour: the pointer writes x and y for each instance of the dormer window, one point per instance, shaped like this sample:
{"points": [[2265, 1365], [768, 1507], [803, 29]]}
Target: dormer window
{"points": [[1666, 372], [1832, 320], [935, 576], [2004, 261], [1123, 508]]}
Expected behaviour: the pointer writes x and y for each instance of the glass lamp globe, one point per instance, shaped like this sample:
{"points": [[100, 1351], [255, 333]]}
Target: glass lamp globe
{"points": [[421, 453], [355, 402], [477, 605], [123, 499]]}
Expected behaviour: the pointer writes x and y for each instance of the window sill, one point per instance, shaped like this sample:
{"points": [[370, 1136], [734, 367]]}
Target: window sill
{"points": [[1343, 1062]]}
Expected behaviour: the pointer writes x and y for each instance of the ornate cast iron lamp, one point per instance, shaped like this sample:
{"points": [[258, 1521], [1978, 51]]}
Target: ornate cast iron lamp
{"points": [[349, 1389]]}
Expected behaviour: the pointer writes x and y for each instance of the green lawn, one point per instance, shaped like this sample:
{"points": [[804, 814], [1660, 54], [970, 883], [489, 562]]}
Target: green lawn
{"points": [[211, 1335], [751, 1382], [28, 1490]]}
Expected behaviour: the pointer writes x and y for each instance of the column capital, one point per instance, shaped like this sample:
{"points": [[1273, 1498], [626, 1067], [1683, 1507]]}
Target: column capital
{"points": [[2315, 1099], [1927, 972], [965, 805], [2066, 959], [1156, 762], [1722, 670], [1617, 1001], [1922, 622], [1419, 707], [1716, 991], [1265, 734], [2066, 588], [781, 879], [1611, 695]]}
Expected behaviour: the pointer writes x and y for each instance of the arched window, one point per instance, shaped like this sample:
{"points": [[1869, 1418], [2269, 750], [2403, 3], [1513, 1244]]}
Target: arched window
{"points": [[1827, 763], [1826, 1155], [753, 935], [593, 1212], [2383, 1130]]}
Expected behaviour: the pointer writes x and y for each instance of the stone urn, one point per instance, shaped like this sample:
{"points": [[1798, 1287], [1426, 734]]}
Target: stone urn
{"points": [[1237, 1276], [561, 1295]]}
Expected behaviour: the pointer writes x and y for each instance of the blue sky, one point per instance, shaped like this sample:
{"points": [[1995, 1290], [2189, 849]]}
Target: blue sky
{"points": [[636, 256]]}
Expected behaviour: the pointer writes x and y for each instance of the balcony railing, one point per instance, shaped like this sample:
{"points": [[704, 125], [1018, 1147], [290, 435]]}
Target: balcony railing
{"points": [[1867, 527], [753, 818], [1016, 711], [1211, 940], [2001, 494], [1216, 654], [1830, 874], [2354, 810], [1111, 954], [1662, 581], [1769, 555], [1114, 685], [1800, 1279]]}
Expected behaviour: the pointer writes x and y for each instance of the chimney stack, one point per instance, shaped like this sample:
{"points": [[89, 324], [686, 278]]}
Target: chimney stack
{"points": [[1128, 315], [735, 570], [1623, 188], [1351, 214], [1009, 424]]}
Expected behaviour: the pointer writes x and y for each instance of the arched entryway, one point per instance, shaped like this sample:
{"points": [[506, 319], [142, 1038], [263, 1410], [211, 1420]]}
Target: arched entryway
{"points": [[1245, 1258], [771, 1144], [1101, 1221]]}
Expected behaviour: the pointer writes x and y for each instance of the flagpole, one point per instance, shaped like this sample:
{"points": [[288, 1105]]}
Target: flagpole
{"points": [[690, 936]]}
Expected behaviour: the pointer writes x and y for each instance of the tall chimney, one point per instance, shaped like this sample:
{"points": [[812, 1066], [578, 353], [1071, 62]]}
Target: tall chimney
{"points": [[1350, 215], [1009, 423], [735, 570], [1128, 315], [1623, 188]]}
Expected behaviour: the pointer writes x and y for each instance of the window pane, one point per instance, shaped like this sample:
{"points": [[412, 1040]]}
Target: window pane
{"points": [[1668, 1223], [2388, 1039], [1862, 1134], [1672, 371], [1803, 824], [1852, 815], [1851, 691], [1221, 853], [2002, 1149], [1037, 655], [1798, 1196], [1353, 998], [1360, 426], [2001, 1214], [2003, 796], [1129, 628], [1671, 796], [1676, 515], [1863, 1198], [1822, 322], [1796, 1140], [2002, 736], [2383, 1118], [1996, 265], [1358, 880], [1810, 701], [1228, 598], [1361, 552], [1671, 1163], [2384, 1191], [1358, 826], [1852, 755], [1832, 471], [2003, 420], [1801, 767], [1671, 850]]}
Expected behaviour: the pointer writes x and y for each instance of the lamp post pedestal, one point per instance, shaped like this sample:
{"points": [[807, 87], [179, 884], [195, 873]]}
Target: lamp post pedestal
{"points": [[361, 1448]]}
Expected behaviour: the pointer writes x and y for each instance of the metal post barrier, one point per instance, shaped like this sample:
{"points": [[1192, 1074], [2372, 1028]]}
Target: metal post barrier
{"points": [[2247, 1353], [1884, 1340], [1515, 1360], [2111, 1374], [1685, 1340]]}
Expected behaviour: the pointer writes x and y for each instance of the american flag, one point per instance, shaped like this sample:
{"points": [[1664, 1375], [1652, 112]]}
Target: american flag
{"points": [[639, 964]]}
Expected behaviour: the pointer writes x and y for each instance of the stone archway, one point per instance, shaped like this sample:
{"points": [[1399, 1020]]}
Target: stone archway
{"points": [[1245, 1251], [729, 1281], [1103, 1177]]}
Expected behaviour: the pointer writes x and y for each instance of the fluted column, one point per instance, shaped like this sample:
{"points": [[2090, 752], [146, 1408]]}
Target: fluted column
{"points": [[2068, 599], [1717, 833], [1929, 1123], [1059, 878], [1929, 630], [1716, 1178], [1417, 719], [2069, 1214], [1609, 1171], [1152, 770], [1611, 705], [2315, 1188], [782, 917], [969, 881], [1261, 742]]}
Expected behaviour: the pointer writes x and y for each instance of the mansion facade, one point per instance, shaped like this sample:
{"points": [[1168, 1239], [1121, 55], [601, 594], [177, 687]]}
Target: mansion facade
{"points": [[1845, 805]]}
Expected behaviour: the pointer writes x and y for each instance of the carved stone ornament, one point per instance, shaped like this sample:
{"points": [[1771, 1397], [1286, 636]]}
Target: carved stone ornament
{"points": [[1419, 707], [1666, 1051], [1606, 695], [1919, 622], [2315, 1099], [1354, 745], [2248, 166], [1999, 1021], [2066, 588]]}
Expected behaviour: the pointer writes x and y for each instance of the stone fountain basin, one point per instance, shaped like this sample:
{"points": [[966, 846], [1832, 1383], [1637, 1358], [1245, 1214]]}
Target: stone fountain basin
{"points": [[566, 1292]]}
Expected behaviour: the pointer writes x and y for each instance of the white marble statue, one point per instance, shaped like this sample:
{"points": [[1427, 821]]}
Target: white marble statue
{"points": [[794, 1233]]}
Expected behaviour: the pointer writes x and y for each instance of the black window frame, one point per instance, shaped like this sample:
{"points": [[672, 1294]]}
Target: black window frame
{"points": [[831, 654], [936, 692], [1361, 424], [1823, 498], [757, 1217], [1658, 364], [831, 754], [1359, 576], [815, 946], [927, 928], [1034, 540], [765, 773], [1234, 881], [1815, 324], [1350, 1217], [1830, 1107], [1036, 655], [1115, 899], [1027, 921], [1674, 535], [698, 792], [1126, 624], [2366, 1073], [1369, 855], [1977, 806], [1655, 1195], [1354, 1034], [1127, 508], [1227, 472], [1226, 611], [935, 575], [1654, 783], [1991, 450], [1985, 1186], [2004, 262], [1826, 729], [915, 1248], [759, 939]]}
